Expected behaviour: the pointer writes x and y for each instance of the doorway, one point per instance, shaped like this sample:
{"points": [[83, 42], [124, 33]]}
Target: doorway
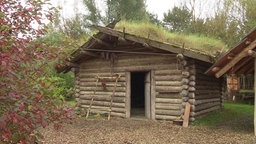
{"points": [[140, 94]]}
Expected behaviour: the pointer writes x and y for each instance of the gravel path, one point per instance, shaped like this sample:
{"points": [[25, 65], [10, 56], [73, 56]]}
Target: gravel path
{"points": [[137, 131]]}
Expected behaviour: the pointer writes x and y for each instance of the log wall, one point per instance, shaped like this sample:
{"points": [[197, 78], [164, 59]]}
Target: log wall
{"points": [[166, 84], [208, 91]]}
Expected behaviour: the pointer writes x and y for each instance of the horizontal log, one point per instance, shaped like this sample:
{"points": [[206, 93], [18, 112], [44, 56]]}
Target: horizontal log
{"points": [[93, 84], [168, 78], [168, 112], [207, 110], [197, 102], [164, 89], [120, 94], [101, 98], [168, 95], [168, 106], [104, 112], [102, 103], [168, 83], [103, 89], [129, 68], [165, 117], [99, 74], [85, 79], [208, 86], [104, 108], [168, 72], [166, 100], [209, 96], [143, 58], [206, 106]]}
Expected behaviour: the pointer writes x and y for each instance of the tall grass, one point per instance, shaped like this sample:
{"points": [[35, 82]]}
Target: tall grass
{"points": [[200, 44], [231, 111]]}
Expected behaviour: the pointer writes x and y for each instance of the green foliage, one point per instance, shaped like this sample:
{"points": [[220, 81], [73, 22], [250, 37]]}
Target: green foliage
{"points": [[198, 43], [93, 16], [178, 19], [126, 10], [231, 111]]}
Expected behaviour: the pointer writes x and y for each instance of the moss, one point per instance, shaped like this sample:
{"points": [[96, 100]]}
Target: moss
{"points": [[200, 44]]}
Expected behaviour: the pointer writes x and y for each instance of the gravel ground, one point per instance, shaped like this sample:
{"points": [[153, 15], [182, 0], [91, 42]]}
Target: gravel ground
{"points": [[141, 131]]}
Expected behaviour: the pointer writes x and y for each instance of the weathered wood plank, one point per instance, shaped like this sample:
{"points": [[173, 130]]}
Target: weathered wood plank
{"points": [[186, 115], [168, 106], [165, 117], [166, 100], [153, 95], [168, 83], [168, 89], [169, 78], [168, 112], [102, 103]]}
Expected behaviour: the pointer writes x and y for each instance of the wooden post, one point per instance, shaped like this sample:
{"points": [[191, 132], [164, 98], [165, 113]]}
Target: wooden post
{"points": [[128, 95], [153, 95], [254, 96]]}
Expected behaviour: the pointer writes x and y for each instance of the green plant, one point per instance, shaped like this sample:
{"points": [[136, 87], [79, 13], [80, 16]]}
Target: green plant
{"points": [[230, 111], [198, 43]]}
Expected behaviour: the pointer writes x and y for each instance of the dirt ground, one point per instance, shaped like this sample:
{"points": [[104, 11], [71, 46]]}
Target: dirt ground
{"points": [[142, 131]]}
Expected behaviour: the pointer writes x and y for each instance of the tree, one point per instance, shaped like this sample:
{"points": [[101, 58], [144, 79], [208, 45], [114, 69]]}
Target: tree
{"points": [[178, 19], [26, 100], [128, 10], [115, 9], [93, 16]]}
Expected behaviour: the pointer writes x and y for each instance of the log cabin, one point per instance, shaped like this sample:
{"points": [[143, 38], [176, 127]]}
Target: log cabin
{"points": [[130, 75]]}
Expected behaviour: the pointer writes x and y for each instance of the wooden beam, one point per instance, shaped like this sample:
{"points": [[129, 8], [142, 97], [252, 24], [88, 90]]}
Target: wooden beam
{"points": [[236, 59], [252, 53], [155, 44], [240, 65], [245, 68], [215, 69], [101, 42], [70, 64], [89, 53], [186, 115], [254, 96]]}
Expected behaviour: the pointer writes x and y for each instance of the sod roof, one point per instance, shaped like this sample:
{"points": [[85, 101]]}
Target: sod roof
{"points": [[197, 43]]}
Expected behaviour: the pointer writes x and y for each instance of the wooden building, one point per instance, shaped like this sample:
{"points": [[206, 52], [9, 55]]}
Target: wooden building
{"points": [[129, 75], [240, 60]]}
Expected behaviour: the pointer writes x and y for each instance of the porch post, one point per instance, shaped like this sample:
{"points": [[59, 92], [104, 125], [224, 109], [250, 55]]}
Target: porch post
{"points": [[254, 96]]}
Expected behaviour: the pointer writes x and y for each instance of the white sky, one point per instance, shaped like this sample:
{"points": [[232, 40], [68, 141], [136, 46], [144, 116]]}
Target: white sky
{"points": [[154, 6]]}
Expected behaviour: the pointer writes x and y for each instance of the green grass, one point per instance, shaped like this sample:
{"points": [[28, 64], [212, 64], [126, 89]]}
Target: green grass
{"points": [[71, 102], [231, 111], [200, 44]]}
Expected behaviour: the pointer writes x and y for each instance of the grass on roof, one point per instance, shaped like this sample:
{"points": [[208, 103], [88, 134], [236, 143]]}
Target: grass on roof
{"points": [[197, 43]]}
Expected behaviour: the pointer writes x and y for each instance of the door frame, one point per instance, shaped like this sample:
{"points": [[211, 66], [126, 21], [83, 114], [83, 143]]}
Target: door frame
{"points": [[149, 110]]}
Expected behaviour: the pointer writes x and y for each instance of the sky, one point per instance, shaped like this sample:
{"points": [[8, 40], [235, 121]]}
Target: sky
{"points": [[158, 7]]}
